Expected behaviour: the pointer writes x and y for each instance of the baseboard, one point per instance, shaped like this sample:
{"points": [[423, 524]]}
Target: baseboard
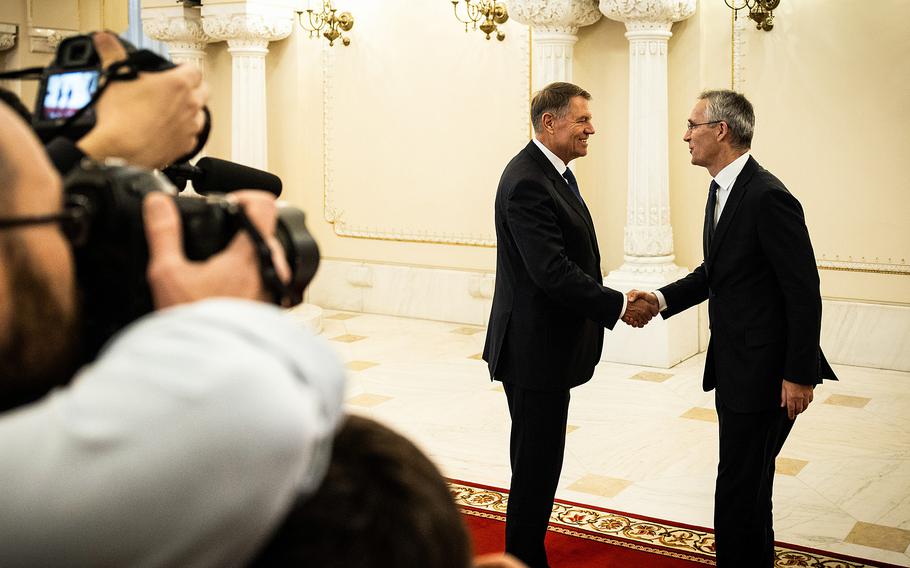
{"points": [[459, 296], [853, 333], [866, 335]]}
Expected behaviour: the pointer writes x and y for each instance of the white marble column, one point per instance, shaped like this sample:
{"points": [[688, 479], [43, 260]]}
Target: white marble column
{"points": [[554, 27], [248, 27], [248, 32], [180, 27], [648, 243]]}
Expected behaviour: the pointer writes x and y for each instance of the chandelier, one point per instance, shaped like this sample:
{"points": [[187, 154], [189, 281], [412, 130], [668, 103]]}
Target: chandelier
{"points": [[760, 11], [487, 13], [328, 22]]}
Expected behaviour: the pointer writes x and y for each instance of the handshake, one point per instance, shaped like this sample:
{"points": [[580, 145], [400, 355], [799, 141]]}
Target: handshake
{"points": [[640, 308]]}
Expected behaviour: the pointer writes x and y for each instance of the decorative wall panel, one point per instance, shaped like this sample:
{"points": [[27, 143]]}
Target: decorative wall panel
{"points": [[417, 132]]}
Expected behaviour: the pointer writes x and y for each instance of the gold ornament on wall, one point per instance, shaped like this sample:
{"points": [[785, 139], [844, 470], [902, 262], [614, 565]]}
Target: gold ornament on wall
{"points": [[760, 11], [484, 14], [327, 23]]}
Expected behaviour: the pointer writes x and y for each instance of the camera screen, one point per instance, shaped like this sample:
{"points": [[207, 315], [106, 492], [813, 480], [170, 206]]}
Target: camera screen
{"points": [[68, 92]]}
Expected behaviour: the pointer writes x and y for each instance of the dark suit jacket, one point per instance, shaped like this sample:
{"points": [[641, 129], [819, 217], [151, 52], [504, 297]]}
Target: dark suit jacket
{"points": [[762, 287], [549, 306]]}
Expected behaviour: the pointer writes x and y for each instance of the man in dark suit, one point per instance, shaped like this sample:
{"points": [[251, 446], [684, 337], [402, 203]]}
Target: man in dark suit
{"points": [[760, 279], [550, 307]]}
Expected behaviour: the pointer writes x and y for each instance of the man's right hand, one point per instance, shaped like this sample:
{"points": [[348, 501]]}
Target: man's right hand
{"points": [[641, 307], [233, 272], [149, 121]]}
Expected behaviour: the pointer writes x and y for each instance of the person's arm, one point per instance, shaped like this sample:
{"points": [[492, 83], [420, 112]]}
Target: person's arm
{"points": [[182, 445], [784, 239], [534, 226], [686, 292]]}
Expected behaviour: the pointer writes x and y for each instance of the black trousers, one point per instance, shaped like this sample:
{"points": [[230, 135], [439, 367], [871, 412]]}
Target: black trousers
{"points": [[536, 448], [749, 444]]}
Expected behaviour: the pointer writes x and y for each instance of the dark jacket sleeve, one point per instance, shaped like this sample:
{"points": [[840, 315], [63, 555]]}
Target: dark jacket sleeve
{"points": [[685, 292], [539, 238], [784, 240]]}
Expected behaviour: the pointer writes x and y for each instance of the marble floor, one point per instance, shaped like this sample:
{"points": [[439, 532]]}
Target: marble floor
{"points": [[644, 440]]}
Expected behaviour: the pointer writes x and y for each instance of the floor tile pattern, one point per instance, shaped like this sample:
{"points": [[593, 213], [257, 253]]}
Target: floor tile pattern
{"points": [[845, 488]]}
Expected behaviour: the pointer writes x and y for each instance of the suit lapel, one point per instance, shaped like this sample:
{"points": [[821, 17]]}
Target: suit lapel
{"points": [[740, 186], [562, 187]]}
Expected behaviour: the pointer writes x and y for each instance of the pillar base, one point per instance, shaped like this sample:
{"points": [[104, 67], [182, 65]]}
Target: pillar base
{"points": [[310, 315], [661, 343]]}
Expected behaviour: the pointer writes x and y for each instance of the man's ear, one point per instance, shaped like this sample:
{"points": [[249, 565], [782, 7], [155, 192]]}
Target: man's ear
{"points": [[546, 121], [723, 133]]}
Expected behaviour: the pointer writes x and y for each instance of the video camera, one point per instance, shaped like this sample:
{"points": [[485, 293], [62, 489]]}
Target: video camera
{"points": [[112, 254], [104, 200]]}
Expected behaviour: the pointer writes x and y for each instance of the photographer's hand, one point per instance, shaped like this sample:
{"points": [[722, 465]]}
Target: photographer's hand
{"points": [[149, 121], [234, 272]]}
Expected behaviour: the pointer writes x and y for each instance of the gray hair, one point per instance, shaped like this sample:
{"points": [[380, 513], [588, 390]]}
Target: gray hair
{"points": [[554, 99], [734, 109]]}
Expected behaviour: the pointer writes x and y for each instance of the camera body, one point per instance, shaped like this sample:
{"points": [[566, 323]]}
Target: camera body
{"points": [[111, 254], [112, 258], [68, 83]]}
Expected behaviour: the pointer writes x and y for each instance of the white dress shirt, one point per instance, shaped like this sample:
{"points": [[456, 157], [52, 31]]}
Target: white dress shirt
{"points": [[182, 445], [724, 179], [561, 167]]}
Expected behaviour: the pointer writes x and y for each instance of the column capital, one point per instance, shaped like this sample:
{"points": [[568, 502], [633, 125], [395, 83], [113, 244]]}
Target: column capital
{"points": [[563, 16], [8, 36], [246, 28], [250, 22], [178, 26], [647, 14], [46, 40]]}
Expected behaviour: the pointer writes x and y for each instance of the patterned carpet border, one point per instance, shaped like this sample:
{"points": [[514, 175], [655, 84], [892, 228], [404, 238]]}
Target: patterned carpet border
{"points": [[676, 540]]}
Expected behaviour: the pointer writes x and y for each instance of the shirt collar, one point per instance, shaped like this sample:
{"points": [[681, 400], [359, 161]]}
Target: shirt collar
{"points": [[727, 176], [554, 159]]}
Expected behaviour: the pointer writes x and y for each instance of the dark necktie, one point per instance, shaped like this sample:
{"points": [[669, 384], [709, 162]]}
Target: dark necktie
{"points": [[573, 184], [709, 211]]}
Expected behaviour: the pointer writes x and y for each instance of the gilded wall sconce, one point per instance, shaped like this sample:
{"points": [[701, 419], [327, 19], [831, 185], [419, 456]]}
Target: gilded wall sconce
{"points": [[760, 11], [484, 14], [328, 23]]}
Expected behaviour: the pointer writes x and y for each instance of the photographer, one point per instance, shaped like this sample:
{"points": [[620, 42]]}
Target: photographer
{"points": [[186, 440], [148, 122]]}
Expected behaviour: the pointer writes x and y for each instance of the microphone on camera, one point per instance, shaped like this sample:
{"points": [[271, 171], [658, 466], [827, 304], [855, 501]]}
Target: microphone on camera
{"points": [[211, 175]]}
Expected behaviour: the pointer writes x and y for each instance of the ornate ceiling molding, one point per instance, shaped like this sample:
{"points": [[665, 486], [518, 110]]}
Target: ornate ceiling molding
{"points": [[564, 16]]}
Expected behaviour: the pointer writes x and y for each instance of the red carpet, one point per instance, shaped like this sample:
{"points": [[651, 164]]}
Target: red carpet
{"points": [[583, 536], [571, 549]]}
